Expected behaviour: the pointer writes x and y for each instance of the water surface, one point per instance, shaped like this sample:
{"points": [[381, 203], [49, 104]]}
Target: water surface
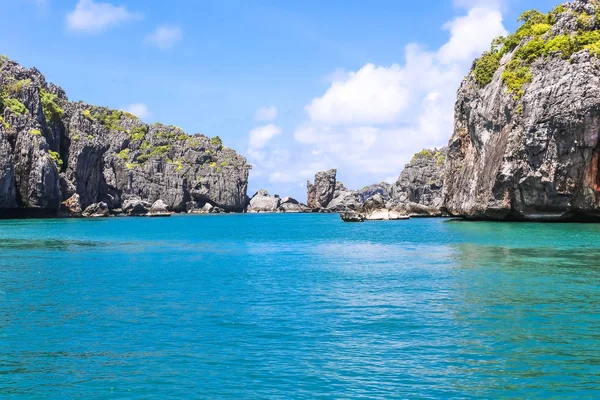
{"points": [[300, 306]]}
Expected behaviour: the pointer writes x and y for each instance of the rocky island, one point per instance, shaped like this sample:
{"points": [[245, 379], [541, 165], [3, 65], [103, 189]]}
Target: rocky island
{"points": [[526, 134], [64, 158]]}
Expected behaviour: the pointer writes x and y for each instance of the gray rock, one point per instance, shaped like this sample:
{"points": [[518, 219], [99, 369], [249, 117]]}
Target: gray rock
{"points": [[352, 216], [320, 194], [262, 202], [96, 210], [535, 157], [291, 205], [159, 209], [135, 207], [54, 149], [421, 183]]}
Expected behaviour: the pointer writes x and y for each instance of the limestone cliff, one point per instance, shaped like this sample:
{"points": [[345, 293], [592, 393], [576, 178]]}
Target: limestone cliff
{"points": [[526, 134], [52, 149]]}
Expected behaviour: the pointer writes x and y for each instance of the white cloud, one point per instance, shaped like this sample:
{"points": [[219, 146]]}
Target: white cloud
{"points": [[370, 122], [140, 110], [165, 37], [259, 137], [92, 17], [468, 30], [372, 95], [266, 114]]}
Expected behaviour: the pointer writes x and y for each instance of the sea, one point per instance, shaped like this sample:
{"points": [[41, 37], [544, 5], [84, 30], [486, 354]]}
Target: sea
{"points": [[298, 307]]}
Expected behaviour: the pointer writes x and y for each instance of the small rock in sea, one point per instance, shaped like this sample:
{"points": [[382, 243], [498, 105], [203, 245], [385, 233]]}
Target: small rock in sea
{"points": [[351, 216], [96, 210]]}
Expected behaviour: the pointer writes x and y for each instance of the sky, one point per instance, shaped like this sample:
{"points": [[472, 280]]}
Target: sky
{"points": [[295, 86]]}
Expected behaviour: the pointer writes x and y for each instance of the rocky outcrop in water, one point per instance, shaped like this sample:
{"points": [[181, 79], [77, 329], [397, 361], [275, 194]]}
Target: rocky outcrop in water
{"points": [[262, 202], [417, 192], [52, 149], [419, 188], [320, 193], [526, 132]]}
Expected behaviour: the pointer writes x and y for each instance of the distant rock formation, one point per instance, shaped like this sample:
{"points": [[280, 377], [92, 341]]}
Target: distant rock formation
{"points": [[262, 202], [419, 188], [321, 192], [526, 141], [52, 149], [417, 192]]}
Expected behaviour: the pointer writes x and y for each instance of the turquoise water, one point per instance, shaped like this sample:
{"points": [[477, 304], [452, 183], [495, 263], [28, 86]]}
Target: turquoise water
{"points": [[298, 306]]}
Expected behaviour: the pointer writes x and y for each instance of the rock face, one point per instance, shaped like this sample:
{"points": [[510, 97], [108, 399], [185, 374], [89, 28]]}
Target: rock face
{"points": [[528, 149], [52, 149], [291, 205], [419, 189], [321, 192]]}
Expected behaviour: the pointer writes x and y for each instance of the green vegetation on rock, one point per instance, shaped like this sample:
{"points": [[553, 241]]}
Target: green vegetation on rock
{"points": [[123, 154], [532, 41], [217, 141], [52, 111], [35, 132], [56, 158], [3, 123]]}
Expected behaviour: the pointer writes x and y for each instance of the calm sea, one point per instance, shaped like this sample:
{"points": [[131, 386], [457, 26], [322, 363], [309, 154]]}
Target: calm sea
{"points": [[298, 306]]}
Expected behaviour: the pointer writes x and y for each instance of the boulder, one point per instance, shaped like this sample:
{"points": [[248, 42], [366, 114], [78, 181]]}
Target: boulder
{"points": [[262, 202], [71, 207], [96, 210], [159, 209], [135, 207], [352, 216]]}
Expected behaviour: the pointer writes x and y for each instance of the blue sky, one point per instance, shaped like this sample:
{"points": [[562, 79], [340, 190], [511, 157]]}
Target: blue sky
{"points": [[295, 86]]}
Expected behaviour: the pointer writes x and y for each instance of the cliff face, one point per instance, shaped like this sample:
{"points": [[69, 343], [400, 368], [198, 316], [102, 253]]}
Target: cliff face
{"points": [[526, 136], [52, 149], [419, 188]]}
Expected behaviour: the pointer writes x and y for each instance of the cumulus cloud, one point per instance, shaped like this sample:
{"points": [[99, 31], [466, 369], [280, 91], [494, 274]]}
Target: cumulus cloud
{"points": [[140, 110], [370, 122], [266, 114], [91, 17], [259, 137], [165, 37], [372, 95]]}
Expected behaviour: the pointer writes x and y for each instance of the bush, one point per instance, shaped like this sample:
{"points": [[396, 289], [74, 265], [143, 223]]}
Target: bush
{"points": [[16, 86], [15, 105], [217, 141], [52, 111], [485, 68], [123, 154], [56, 158], [35, 132]]}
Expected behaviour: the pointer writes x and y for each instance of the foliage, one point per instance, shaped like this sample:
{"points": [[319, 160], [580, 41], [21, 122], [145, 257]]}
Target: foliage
{"points": [[425, 153], [52, 111], [123, 154], [485, 67], [56, 158], [3, 59], [88, 115], [15, 105], [15, 87], [217, 141], [4, 124], [35, 132], [132, 165], [109, 119], [213, 164], [76, 137], [534, 40], [139, 132]]}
